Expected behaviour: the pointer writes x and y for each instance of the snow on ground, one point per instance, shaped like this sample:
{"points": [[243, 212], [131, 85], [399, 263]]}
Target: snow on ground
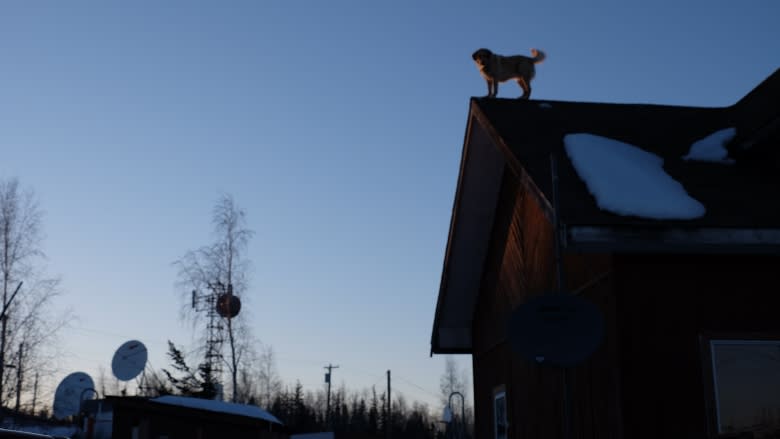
{"points": [[712, 148], [218, 406], [52, 430], [627, 180], [326, 435]]}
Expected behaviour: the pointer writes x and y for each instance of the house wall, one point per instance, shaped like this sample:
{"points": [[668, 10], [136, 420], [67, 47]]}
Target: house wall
{"points": [[520, 266], [646, 381], [665, 302]]}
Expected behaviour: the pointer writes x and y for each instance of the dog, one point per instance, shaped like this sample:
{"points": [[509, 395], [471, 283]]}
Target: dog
{"points": [[497, 68]]}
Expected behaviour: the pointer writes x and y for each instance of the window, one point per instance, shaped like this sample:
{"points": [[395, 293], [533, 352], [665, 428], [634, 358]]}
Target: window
{"points": [[500, 424], [745, 381]]}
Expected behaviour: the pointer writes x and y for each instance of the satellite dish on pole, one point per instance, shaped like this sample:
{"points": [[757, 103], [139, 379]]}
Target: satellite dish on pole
{"points": [[557, 329], [129, 360], [67, 397], [228, 305]]}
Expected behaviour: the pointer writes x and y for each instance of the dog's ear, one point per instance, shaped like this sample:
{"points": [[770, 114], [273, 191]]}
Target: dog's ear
{"points": [[481, 54]]}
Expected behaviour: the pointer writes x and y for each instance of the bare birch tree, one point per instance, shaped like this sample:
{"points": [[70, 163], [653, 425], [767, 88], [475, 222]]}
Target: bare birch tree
{"points": [[452, 380], [258, 379], [108, 385], [269, 382], [217, 269], [29, 325]]}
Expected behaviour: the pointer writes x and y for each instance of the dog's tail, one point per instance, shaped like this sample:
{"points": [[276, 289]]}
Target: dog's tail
{"points": [[538, 56]]}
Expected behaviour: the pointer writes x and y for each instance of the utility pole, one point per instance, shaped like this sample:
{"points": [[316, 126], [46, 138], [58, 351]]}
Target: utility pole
{"points": [[565, 378], [19, 376], [328, 379], [3, 330], [389, 407], [35, 393]]}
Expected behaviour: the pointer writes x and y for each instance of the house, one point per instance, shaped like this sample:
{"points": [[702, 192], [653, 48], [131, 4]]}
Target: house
{"points": [[683, 266], [174, 417]]}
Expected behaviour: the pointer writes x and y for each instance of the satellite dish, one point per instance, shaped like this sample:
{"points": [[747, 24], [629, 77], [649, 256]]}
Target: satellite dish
{"points": [[228, 305], [129, 360], [558, 329], [67, 397]]}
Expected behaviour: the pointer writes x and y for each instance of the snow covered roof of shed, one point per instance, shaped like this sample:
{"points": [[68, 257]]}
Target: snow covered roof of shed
{"points": [[211, 405]]}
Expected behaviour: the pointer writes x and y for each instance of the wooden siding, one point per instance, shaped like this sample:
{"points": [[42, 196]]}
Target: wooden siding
{"points": [[520, 266], [665, 302]]}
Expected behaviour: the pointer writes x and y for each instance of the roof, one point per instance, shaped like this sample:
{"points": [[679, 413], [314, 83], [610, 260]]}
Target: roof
{"points": [[667, 131], [195, 408], [211, 405], [519, 136]]}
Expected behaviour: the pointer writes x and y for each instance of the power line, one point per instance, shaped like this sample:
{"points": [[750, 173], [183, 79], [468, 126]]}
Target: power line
{"points": [[381, 378], [377, 378], [437, 395], [112, 334], [362, 372]]}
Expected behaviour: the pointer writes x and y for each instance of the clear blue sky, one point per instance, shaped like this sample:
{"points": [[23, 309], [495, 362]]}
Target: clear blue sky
{"points": [[337, 125]]}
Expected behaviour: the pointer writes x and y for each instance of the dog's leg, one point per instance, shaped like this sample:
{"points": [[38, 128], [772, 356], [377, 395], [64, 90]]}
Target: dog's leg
{"points": [[525, 86], [495, 89], [490, 88]]}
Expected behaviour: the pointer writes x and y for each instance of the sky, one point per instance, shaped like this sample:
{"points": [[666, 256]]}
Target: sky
{"points": [[337, 126]]}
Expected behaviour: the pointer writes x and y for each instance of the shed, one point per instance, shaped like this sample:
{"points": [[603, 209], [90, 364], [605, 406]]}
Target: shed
{"points": [[174, 417]]}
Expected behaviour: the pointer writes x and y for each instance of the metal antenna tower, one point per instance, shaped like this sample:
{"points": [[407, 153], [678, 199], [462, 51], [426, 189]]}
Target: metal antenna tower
{"points": [[215, 330]]}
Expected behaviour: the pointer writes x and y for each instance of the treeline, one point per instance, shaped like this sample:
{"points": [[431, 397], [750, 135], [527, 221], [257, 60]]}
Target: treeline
{"points": [[363, 414]]}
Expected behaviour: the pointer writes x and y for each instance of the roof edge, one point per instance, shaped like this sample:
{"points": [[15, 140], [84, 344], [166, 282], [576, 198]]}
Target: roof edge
{"points": [[711, 240], [514, 164], [448, 248], [451, 351], [769, 85]]}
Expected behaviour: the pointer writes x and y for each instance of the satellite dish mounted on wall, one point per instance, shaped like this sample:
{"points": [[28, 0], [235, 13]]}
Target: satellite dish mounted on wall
{"points": [[558, 329], [129, 360], [67, 397]]}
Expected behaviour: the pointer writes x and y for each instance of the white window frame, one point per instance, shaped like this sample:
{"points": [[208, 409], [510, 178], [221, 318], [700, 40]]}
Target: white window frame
{"points": [[496, 396], [727, 340]]}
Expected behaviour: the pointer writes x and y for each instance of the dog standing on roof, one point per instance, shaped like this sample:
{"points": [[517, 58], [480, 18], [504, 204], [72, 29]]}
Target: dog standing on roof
{"points": [[497, 68]]}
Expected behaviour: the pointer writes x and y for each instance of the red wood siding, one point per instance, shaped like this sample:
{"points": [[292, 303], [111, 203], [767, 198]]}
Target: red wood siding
{"points": [[664, 303], [520, 266]]}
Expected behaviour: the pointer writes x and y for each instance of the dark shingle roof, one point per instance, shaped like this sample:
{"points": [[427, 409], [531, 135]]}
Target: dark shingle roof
{"points": [[742, 195]]}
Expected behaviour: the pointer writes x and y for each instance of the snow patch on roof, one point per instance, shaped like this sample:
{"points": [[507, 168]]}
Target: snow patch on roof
{"points": [[712, 148], [218, 406], [627, 180], [545, 105]]}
